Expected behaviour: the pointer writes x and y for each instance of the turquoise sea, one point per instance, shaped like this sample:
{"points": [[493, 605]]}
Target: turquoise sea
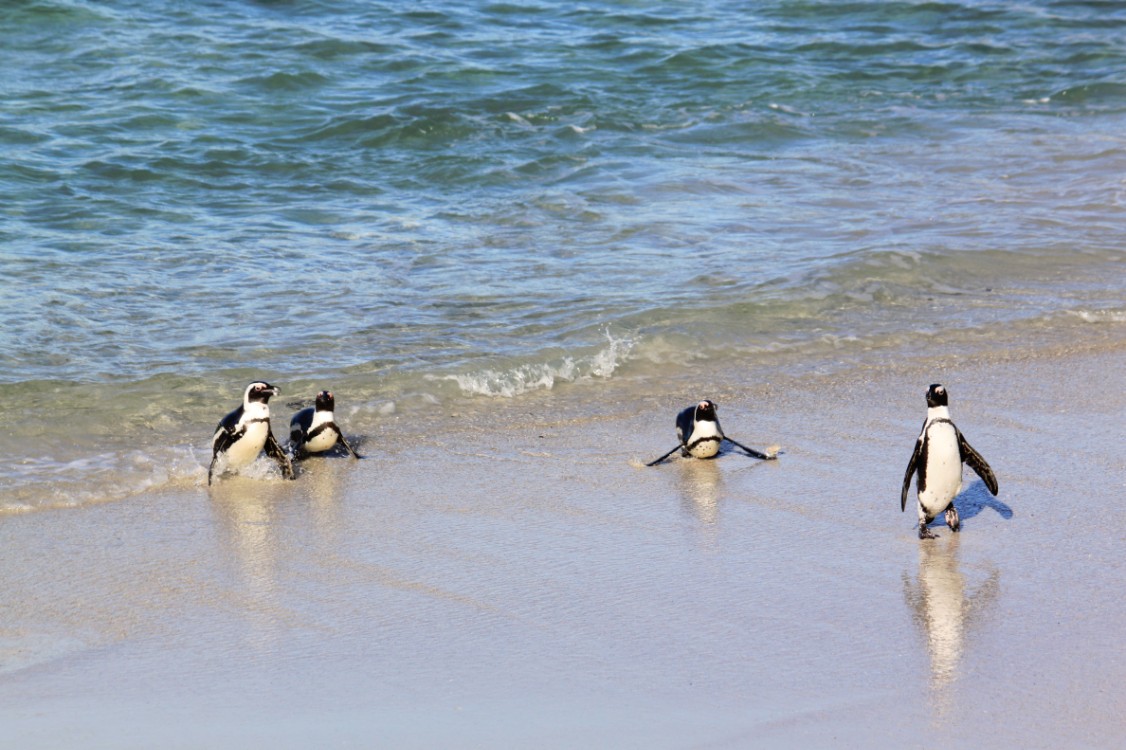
{"points": [[428, 206]]}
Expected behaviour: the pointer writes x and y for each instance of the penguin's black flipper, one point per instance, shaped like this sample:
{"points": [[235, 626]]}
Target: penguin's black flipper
{"points": [[344, 442], [274, 451], [662, 458], [977, 463], [225, 433], [750, 451], [911, 466], [223, 438]]}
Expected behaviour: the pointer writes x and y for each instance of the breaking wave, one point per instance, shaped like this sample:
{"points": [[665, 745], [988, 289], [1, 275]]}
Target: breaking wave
{"points": [[533, 376]]}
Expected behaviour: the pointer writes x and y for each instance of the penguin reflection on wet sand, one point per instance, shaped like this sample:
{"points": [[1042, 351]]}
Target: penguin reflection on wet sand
{"points": [[245, 432], [700, 435], [939, 453], [314, 430]]}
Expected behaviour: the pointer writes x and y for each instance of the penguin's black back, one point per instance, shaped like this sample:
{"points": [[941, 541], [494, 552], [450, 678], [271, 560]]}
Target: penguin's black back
{"points": [[225, 432], [301, 423], [230, 421], [685, 421]]}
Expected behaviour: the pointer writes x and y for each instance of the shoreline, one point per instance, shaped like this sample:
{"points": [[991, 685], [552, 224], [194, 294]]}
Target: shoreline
{"points": [[161, 439], [525, 582]]}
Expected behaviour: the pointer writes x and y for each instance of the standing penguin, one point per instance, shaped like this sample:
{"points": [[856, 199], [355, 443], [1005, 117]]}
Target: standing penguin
{"points": [[245, 432], [700, 435], [939, 453], [314, 430]]}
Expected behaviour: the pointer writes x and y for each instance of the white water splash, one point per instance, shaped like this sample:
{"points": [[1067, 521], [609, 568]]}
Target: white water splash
{"points": [[1100, 316], [508, 383], [48, 482]]}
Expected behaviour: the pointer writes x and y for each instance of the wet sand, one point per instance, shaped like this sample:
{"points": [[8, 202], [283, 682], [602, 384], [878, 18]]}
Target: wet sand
{"points": [[528, 583]]}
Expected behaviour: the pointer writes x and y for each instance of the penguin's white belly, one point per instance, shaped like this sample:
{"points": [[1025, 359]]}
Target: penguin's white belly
{"points": [[322, 442], [244, 451], [705, 440], [943, 469]]}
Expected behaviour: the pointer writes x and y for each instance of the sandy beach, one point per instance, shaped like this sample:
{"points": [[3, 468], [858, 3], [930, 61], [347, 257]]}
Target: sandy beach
{"points": [[526, 582]]}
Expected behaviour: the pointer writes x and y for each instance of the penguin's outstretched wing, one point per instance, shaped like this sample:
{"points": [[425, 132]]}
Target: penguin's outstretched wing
{"points": [[340, 437], [274, 451], [912, 465], [750, 451], [662, 458], [977, 463]]}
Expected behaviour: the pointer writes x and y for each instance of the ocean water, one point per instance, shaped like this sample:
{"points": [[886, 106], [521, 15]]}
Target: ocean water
{"points": [[425, 206]]}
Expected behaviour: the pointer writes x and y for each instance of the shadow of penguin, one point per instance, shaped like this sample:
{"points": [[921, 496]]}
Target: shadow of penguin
{"points": [[973, 501]]}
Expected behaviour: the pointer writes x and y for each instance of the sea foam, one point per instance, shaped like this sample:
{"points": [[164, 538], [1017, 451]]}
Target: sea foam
{"points": [[532, 376]]}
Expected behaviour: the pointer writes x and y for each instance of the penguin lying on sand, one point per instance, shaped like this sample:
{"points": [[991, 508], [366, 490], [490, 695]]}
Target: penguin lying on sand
{"points": [[939, 453], [700, 435], [314, 430], [245, 432]]}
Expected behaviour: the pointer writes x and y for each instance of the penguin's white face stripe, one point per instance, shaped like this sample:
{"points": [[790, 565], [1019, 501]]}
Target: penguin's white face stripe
{"points": [[259, 392]]}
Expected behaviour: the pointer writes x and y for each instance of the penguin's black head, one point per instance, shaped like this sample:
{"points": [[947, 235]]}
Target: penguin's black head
{"points": [[705, 411], [325, 401], [260, 392], [936, 395]]}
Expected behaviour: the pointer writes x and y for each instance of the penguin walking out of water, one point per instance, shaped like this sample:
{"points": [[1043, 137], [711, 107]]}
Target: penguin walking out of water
{"points": [[314, 430], [245, 432], [700, 435], [939, 453]]}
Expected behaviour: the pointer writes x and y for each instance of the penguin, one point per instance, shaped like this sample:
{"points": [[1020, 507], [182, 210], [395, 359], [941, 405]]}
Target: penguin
{"points": [[700, 435], [939, 453], [313, 430], [245, 432]]}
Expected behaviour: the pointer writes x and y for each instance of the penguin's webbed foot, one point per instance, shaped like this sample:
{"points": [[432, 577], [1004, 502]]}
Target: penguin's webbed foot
{"points": [[952, 519], [926, 533]]}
